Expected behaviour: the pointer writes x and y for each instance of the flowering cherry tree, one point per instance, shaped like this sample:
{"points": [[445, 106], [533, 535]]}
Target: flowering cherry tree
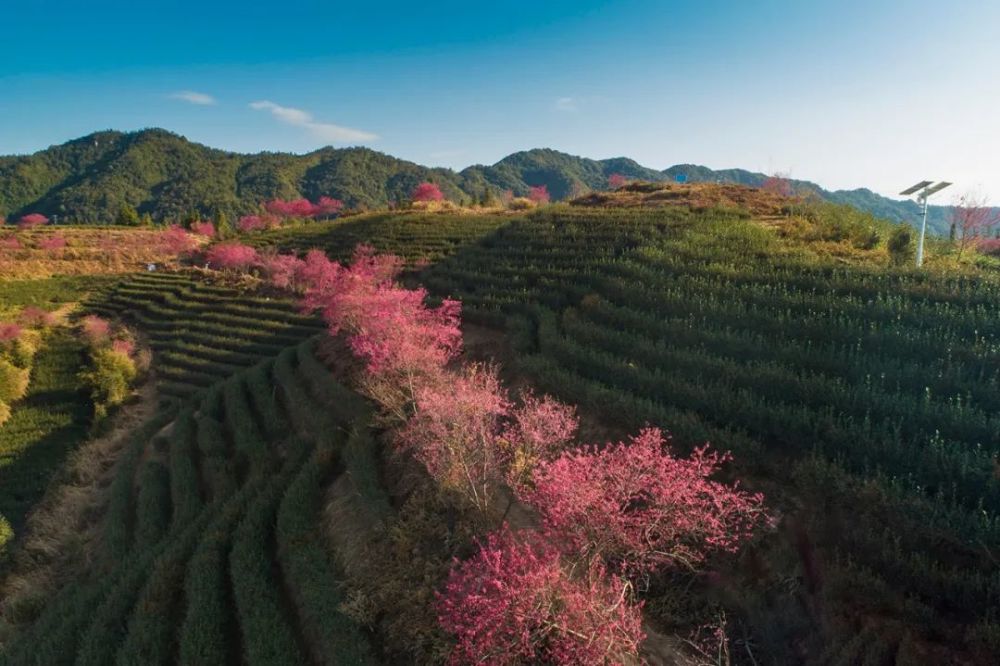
{"points": [[639, 508], [427, 192], [284, 271], [539, 194], [616, 180], [249, 223], [453, 432], [231, 256], [203, 228], [538, 430], [514, 602], [973, 219], [175, 240], [32, 220], [35, 316], [95, 329], [327, 206], [10, 243]]}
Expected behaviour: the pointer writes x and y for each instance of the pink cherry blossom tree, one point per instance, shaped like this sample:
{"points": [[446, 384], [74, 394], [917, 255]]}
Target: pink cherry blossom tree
{"points": [[249, 223], [32, 220], [427, 192], [539, 194], [327, 206], [639, 508], [231, 256], [10, 243], [203, 228], [616, 180], [515, 602], [95, 329]]}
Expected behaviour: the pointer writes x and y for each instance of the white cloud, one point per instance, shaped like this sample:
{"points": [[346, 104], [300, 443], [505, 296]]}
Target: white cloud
{"points": [[304, 119], [201, 99], [567, 104]]}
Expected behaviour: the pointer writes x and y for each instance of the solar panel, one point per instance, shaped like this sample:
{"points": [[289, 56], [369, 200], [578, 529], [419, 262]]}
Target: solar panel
{"points": [[936, 188], [919, 186]]}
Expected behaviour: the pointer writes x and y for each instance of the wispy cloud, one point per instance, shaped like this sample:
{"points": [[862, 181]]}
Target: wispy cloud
{"points": [[304, 119], [570, 104], [201, 99]]}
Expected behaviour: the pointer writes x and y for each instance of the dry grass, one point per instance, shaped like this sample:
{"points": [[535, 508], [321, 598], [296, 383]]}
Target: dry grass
{"points": [[88, 251], [697, 196]]}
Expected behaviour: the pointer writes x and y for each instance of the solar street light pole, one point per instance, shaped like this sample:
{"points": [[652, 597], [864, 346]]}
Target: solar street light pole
{"points": [[926, 190], [923, 232]]}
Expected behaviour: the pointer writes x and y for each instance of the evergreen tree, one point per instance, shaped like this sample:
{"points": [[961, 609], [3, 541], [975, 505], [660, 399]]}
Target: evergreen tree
{"points": [[127, 216]]}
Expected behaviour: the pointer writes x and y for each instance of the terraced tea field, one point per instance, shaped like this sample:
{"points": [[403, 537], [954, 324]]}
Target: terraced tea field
{"points": [[412, 236], [199, 333], [862, 400], [212, 551]]}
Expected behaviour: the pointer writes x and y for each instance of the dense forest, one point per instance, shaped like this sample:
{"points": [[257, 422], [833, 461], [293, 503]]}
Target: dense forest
{"points": [[91, 179]]}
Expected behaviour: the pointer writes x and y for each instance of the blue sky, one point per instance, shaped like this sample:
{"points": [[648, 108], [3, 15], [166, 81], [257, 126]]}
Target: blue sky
{"points": [[876, 93]]}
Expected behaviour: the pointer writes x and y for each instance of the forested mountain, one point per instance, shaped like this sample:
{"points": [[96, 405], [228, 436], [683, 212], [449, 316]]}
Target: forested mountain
{"points": [[163, 174]]}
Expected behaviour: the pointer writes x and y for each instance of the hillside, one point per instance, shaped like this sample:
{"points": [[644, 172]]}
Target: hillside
{"points": [[87, 180], [263, 513]]}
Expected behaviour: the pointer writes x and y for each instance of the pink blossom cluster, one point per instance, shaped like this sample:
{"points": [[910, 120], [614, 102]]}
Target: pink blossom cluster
{"points": [[36, 317], [616, 180], [324, 206], [10, 243], [231, 256], [9, 331], [539, 194], [249, 223], [32, 220], [95, 329], [203, 228], [427, 192], [514, 602], [175, 240]]}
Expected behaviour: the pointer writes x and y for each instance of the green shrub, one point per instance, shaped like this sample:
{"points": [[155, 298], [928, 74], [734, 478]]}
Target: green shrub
{"points": [[109, 379], [900, 245], [13, 381]]}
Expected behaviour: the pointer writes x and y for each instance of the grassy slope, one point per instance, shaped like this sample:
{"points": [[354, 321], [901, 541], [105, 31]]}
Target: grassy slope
{"points": [[44, 427]]}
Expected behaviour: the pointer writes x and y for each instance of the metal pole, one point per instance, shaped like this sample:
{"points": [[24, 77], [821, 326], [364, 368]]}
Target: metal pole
{"points": [[923, 232]]}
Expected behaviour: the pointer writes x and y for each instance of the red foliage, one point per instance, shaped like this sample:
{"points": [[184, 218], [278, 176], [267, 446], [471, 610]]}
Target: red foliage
{"points": [[249, 223], [284, 271], [10, 243], [9, 331], [639, 508], [32, 220], [427, 192], [53, 242], [231, 256], [36, 316], [95, 329], [616, 180], [203, 228], [513, 602], [539, 194]]}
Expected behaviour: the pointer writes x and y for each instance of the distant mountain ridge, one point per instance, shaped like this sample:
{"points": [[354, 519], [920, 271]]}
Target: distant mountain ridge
{"points": [[161, 173]]}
